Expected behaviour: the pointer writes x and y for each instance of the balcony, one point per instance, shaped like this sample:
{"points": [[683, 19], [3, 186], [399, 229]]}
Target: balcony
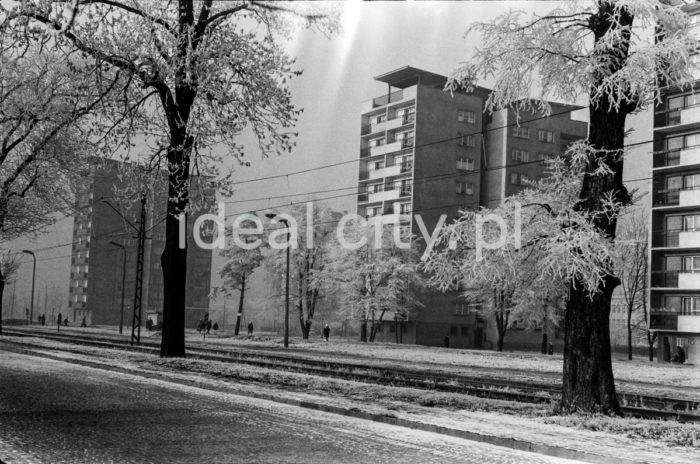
{"points": [[676, 321], [403, 95], [689, 238], [388, 171], [665, 320], [682, 280], [681, 157], [386, 99], [406, 166], [384, 149], [392, 194], [689, 196], [687, 117], [664, 279], [665, 239]]}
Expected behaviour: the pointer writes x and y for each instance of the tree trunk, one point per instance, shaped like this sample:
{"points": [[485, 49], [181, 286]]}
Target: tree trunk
{"points": [[363, 330], [545, 343], [240, 306], [651, 338], [2, 292], [588, 383], [305, 328], [174, 259], [629, 334]]}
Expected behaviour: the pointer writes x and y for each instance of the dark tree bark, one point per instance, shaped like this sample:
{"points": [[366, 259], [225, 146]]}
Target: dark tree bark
{"points": [[240, 305], [363, 331], [502, 327], [2, 292], [588, 382], [651, 338], [629, 334]]}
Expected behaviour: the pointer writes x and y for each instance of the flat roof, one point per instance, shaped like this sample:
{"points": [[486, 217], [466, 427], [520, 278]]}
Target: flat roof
{"points": [[408, 76]]}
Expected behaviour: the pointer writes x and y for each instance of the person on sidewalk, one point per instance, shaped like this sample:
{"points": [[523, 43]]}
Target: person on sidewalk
{"points": [[59, 319], [326, 332], [250, 328], [83, 324], [208, 326]]}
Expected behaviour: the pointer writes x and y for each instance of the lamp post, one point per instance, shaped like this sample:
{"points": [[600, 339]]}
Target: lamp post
{"points": [[121, 312], [286, 287], [31, 311]]}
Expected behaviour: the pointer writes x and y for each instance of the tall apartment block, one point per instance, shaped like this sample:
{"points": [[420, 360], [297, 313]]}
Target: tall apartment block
{"points": [[675, 220], [96, 265], [425, 151]]}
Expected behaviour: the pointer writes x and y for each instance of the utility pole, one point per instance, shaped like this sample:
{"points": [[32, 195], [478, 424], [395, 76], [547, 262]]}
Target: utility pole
{"points": [[138, 287], [31, 311], [121, 311], [286, 287]]}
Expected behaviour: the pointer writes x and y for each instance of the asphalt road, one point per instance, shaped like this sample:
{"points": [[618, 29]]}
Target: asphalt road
{"points": [[55, 412]]}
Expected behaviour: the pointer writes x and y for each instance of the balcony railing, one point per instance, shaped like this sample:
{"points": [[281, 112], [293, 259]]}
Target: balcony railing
{"points": [[406, 143], [406, 192], [364, 152], [665, 320], [670, 197], [664, 279], [406, 166], [409, 118], [386, 99], [667, 158], [670, 117], [666, 238]]}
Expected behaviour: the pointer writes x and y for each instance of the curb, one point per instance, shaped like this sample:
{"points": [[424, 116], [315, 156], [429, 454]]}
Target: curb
{"points": [[506, 442]]}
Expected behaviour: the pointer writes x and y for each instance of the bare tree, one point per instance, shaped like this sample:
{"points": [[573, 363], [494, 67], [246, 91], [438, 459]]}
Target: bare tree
{"points": [[199, 74], [632, 266]]}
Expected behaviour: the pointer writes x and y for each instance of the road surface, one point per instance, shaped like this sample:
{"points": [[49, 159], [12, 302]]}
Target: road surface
{"points": [[57, 412]]}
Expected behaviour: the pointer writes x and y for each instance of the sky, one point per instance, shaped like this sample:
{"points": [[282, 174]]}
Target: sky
{"points": [[338, 72]]}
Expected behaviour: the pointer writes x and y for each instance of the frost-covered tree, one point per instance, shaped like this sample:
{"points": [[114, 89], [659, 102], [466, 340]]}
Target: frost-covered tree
{"points": [[9, 263], [618, 55], [199, 73], [239, 265], [44, 134], [315, 237], [375, 276]]}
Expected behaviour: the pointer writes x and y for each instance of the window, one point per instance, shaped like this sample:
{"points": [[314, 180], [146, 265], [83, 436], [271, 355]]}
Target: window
{"points": [[390, 185], [545, 136], [521, 132], [544, 157], [408, 115], [379, 119], [377, 142], [466, 140], [373, 211], [465, 164], [519, 155], [406, 187], [691, 264], [466, 116], [517, 178], [376, 165], [374, 188], [690, 306], [406, 139], [464, 188], [461, 309], [691, 223], [405, 208]]}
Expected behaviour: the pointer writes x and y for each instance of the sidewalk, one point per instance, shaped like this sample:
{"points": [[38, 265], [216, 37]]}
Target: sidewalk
{"points": [[488, 427]]}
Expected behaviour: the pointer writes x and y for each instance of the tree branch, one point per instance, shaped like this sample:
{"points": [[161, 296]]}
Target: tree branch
{"points": [[136, 11]]}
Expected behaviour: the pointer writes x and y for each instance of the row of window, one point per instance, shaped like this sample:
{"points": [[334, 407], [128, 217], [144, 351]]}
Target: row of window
{"points": [[465, 309], [543, 135], [407, 114], [404, 208], [523, 156], [466, 116], [687, 305], [404, 186], [682, 141], [405, 138]]}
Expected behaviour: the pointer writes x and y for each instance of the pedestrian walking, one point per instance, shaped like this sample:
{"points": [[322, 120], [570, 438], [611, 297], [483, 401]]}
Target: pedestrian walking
{"points": [[83, 324], [208, 326], [250, 328], [326, 332], [200, 326], [59, 319]]}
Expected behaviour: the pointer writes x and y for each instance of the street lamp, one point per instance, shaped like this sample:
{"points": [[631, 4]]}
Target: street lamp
{"points": [[286, 288], [31, 311], [121, 312]]}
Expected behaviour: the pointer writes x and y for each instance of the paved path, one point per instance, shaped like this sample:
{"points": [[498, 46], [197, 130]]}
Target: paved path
{"points": [[57, 412]]}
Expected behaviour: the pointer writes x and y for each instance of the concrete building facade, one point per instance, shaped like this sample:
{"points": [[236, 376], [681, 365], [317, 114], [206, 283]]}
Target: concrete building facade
{"points": [[675, 220], [425, 151], [96, 264]]}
